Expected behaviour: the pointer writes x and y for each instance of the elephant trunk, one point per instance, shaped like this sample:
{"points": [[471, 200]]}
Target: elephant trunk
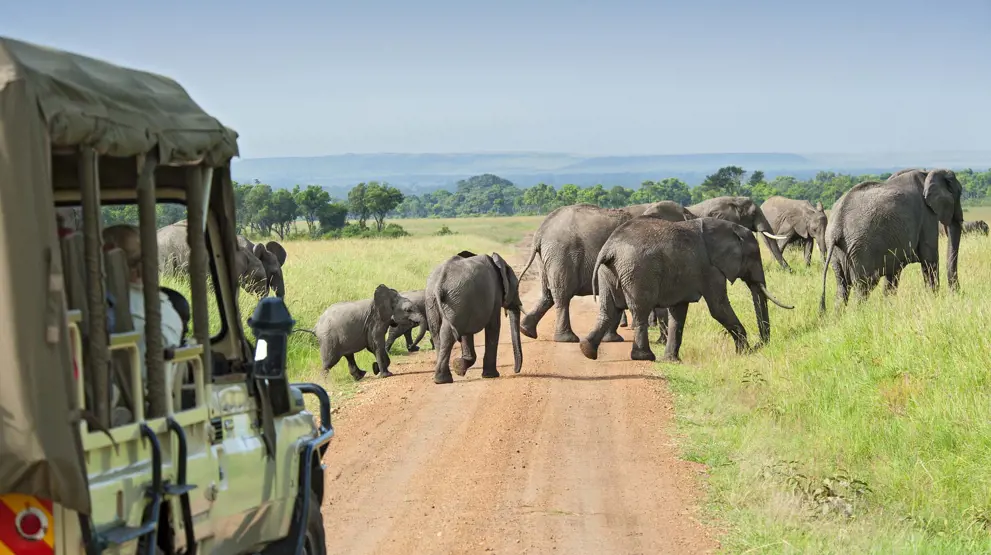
{"points": [[514, 332], [763, 226], [759, 294], [821, 239], [953, 235]]}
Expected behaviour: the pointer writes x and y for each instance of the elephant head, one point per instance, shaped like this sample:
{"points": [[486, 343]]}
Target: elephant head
{"points": [[512, 305], [251, 272], [741, 211], [392, 308], [812, 225], [733, 250], [941, 192], [272, 256]]}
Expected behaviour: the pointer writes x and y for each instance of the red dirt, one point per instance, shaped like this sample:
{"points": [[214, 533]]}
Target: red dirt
{"points": [[571, 455]]}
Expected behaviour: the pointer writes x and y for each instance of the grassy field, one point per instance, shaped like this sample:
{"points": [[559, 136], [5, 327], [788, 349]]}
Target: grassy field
{"points": [[867, 431]]}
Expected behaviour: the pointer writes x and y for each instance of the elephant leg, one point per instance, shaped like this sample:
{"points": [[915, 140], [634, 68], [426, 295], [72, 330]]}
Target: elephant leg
{"points": [[330, 360], [675, 317], [445, 343], [394, 334], [641, 343], [891, 281], [468, 357], [808, 252], [410, 347], [528, 326], [564, 334], [863, 286], [607, 322], [722, 311], [661, 320], [842, 281], [489, 369], [356, 373], [623, 322]]}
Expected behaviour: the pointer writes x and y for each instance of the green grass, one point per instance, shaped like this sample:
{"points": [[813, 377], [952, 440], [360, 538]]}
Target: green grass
{"points": [[510, 229], [867, 431]]}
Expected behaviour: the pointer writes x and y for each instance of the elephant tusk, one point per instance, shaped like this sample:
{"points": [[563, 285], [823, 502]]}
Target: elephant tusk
{"points": [[773, 300], [775, 237]]}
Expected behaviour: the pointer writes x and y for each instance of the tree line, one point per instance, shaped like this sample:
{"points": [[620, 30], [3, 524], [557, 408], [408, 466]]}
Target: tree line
{"points": [[264, 211]]}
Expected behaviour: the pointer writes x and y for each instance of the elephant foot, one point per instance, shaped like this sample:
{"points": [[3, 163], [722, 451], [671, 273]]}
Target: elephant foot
{"points": [[612, 337], [588, 350], [490, 373], [443, 378], [671, 359], [459, 366], [358, 374], [528, 330], [412, 349], [661, 339], [566, 337], [624, 324], [385, 374], [375, 368], [642, 354]]}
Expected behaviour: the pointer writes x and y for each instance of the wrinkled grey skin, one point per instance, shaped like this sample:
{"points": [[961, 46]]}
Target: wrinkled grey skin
{"points": [[649, 263], [741, 211], [259, 267], [349, 327], [465, 295], [976, 226], [798, 220], [417, 298], [877, 228], [567, 242]]}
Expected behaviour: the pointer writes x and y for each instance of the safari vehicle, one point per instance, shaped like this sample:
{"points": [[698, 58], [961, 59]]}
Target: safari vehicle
{"points": [[224, 460]]}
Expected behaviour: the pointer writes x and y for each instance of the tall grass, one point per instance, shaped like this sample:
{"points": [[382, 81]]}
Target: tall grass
{"points": [[865, 431]]}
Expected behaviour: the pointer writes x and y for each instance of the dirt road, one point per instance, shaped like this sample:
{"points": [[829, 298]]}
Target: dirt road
{"points": [[569, 456]]}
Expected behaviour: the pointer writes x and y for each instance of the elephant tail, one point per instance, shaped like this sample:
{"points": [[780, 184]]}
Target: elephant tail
{"points": [[604, 259], [303, 330], [825, 271], [534, 250], [446, 311]]}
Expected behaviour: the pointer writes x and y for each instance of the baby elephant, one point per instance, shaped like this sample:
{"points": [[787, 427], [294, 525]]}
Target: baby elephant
{"points": [[464, 296], [417, 298], [346, 328], [648, 263]]}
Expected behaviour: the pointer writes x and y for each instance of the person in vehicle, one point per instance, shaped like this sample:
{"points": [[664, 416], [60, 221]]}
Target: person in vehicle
{"points": [[127, 238]]}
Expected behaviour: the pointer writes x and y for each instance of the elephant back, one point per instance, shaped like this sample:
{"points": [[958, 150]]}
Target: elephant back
{"points": [[173, 248]]}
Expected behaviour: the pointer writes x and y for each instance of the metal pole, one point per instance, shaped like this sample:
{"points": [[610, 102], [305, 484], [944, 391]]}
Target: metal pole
{"points": [[196, 209], [155, 350], [98, 354]]}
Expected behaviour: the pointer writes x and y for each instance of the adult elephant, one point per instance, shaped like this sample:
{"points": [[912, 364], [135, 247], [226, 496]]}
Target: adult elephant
{"points": [[568, 242], [648, 263], [665, 209], [741, 211], [799, 221], [465, 295], [976, 226], [259, 267], [877, 228]]}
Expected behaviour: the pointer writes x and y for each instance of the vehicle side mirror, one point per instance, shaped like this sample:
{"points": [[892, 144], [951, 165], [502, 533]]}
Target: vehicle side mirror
{"points": [[272, 324]]}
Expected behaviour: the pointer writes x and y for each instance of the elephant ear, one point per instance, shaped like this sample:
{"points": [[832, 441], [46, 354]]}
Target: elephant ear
{"points": [[819, 207], [466, 254], [688, 214], [382, 302], [725, 248], [941, 192], [801, 224], [508, 293], [278, 250]]}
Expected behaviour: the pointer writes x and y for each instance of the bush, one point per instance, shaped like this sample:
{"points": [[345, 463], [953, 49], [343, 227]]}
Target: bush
{"points": [[444, 230], [355, 231]]}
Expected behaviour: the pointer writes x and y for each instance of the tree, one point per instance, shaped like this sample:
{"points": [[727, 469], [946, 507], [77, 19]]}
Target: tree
{"points": [[356, 204], [311, 202], [380, 200], [283, 212], [725, 182], [755, 178], [333, 215], [258, 208]]}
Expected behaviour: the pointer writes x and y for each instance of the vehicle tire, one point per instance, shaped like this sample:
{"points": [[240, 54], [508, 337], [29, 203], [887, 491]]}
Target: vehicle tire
{"points": [[315, 542]]}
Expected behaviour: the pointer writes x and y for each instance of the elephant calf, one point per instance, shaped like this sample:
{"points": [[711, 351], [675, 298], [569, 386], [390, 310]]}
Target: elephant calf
{"points": [[346, 328], [648, 263], [417, 298], [463, 297]]}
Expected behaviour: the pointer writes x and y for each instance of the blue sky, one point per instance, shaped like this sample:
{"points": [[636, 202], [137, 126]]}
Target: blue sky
{"points": [[605, 77]]}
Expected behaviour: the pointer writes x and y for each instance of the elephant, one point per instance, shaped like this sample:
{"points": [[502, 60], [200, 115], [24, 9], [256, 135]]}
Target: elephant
{"points": [[799, 221], [568, 241], [666, 209], [648, 263], [347, 327], [464, 295], [259, 267], [976, 226], [742, 211], [417, 298], [877, 228]]}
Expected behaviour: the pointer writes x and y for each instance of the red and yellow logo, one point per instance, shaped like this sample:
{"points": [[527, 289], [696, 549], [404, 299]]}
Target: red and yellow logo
{"points": [[27, 526]]}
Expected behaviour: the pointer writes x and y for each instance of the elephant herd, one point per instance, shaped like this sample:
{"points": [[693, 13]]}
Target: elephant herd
{"points": [[652, 260]]}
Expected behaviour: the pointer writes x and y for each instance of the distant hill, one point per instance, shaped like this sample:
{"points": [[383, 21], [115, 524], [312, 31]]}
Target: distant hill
{"points": [[420, 173]]}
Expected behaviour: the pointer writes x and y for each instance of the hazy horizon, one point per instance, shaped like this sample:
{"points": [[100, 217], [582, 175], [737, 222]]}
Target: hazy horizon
{"points": [[593, 79]]}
